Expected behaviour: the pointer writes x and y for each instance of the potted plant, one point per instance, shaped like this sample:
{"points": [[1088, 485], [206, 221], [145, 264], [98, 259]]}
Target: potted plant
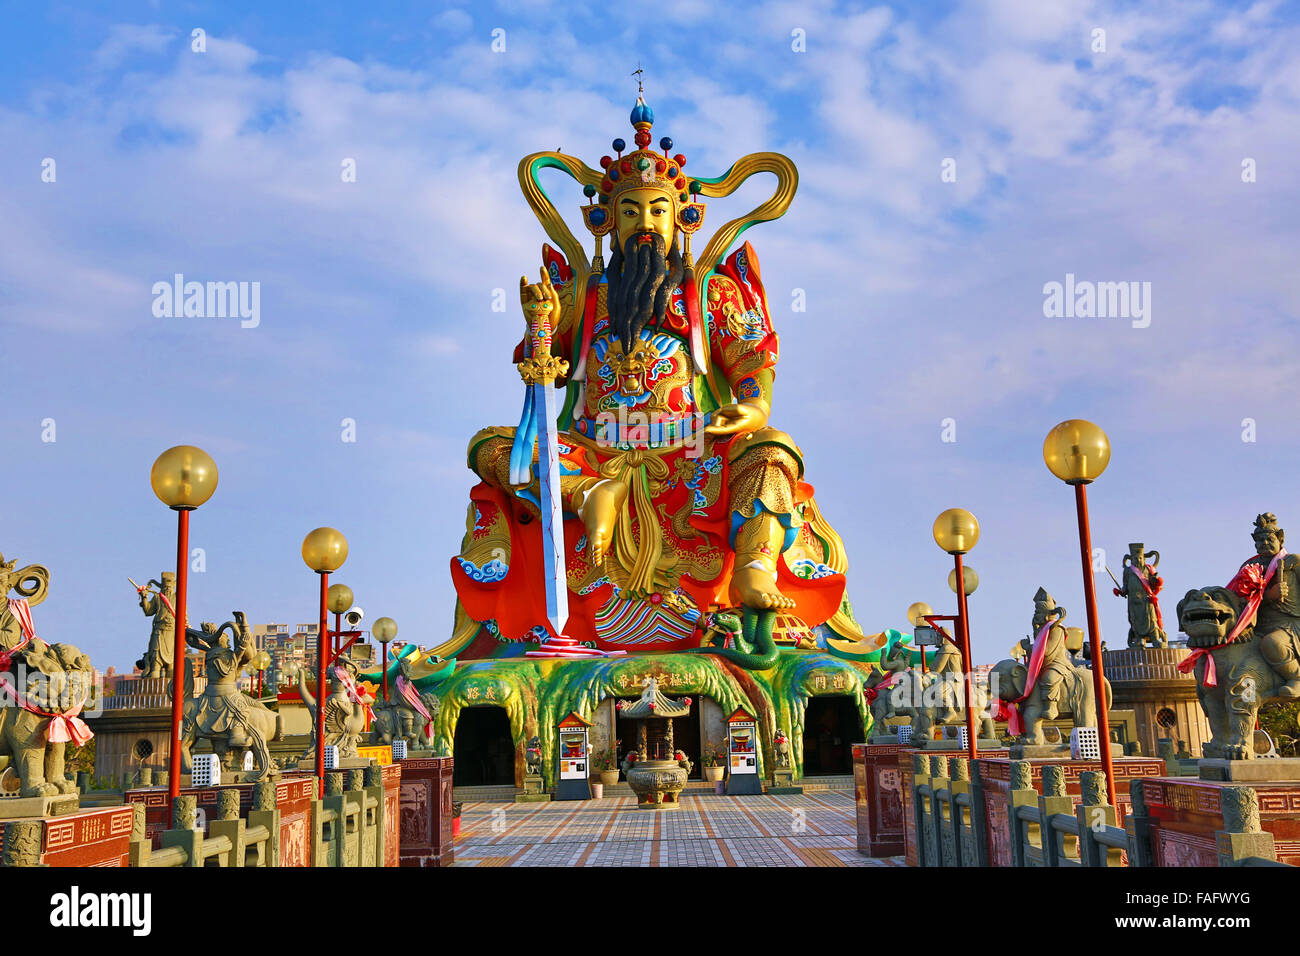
{"points": [[603, 764], [713, 764]]}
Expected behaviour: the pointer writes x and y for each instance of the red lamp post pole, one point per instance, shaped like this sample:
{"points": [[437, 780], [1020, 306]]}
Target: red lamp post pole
{"points": [[322, 652], [1094, 639], [178, 650], [963, 635]]}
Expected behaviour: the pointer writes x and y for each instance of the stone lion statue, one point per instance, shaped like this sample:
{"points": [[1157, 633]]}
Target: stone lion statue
{"points": [[1243, 679], [58, 680], [533, 756]]}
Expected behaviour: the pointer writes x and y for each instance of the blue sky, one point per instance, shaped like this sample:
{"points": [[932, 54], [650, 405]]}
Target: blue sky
{"points": [[924, 297]]}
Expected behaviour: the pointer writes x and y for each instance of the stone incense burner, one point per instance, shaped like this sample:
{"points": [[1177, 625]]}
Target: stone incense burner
{"points": [[656, 783]]}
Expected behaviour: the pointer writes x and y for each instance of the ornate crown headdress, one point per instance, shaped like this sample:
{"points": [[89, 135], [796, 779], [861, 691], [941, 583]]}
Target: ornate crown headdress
{"points": [[642, 168], [646, 167], [1266, 522]]}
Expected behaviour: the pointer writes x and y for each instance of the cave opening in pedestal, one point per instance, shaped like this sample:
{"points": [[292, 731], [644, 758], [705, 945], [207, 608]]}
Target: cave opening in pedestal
{"points": [[831, 727], [484, 751]]}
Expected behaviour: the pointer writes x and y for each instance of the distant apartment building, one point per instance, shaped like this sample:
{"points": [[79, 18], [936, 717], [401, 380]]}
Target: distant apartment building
{"points": [[295, 648]]}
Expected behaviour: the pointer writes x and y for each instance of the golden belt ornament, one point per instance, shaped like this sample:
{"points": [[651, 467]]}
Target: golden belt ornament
{"points": [[644, 472]]}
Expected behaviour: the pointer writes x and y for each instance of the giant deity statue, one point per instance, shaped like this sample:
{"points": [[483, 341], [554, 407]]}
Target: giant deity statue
{"points": [[158, 604], [678, 497], [1141, 585]]}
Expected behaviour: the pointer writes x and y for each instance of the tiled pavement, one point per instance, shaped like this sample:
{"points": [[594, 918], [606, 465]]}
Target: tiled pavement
{"points": [[809, 829]]}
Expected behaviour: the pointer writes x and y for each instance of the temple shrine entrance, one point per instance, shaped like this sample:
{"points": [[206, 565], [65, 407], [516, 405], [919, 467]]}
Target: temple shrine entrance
{"points": [[686, 736], [831, 728], [483, 750]]}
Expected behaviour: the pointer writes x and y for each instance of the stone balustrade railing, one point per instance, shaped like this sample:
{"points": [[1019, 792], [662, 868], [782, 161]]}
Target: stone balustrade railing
{"points": [[1049, 829]]}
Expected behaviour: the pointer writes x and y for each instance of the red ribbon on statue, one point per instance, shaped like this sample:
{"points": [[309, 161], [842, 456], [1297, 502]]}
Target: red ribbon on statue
{"points": [[1010, 710], [354, 692], [64, 726], [1250, 582], [22, 612], [871, 693], [412, 697]]}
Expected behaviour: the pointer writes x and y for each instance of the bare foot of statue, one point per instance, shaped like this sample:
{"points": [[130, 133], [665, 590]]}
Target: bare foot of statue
{"points": [[754, 585], [600, 510]]}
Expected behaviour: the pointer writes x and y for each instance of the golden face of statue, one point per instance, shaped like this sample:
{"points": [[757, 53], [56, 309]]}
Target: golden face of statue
{"points": [[643, 210]]}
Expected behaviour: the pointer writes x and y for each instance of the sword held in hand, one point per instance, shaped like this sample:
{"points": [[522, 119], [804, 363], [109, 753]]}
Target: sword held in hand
{"points": [[537, 425]]}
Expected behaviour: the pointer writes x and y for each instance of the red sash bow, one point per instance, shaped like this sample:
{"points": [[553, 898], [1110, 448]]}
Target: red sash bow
{"points": [[1250, 582], [64, 726], [1010, 710], [871, 693], [354, 692]]}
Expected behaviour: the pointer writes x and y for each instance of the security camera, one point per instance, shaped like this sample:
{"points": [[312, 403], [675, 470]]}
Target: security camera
{"points": [[354, 616]]}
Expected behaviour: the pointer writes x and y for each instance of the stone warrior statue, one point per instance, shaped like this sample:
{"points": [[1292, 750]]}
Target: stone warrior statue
{"points": [[1278, 622], [679, 496], [157, 660], [1057, 665], [223, 714], [1141, 585]]}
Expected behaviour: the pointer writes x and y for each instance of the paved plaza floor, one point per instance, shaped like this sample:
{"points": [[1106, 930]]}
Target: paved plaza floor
{"points": [[811, 829]]}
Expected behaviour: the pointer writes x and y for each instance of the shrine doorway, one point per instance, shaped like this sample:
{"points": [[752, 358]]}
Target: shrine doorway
{"points": [[831, 727], [686, 736], [484, 751]]}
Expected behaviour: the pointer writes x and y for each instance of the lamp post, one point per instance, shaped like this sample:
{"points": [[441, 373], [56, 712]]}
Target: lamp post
{"points": [[324, 550], [956, 531], [970, 579], [384, 630], [183, 478], [340, 599], [916, 615], [1077, 452], [262, 661]]}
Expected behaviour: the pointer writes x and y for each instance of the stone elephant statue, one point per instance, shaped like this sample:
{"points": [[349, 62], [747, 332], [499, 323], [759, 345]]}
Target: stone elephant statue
{"points": [[1067, 688], [59, 682], [398, 720]]}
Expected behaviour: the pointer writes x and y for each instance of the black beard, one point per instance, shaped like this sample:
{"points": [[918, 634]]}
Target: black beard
{"points": [[643, 289]]}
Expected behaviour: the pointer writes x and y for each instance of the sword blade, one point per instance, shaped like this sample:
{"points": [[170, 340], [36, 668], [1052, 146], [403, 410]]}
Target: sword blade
{"points": [[548, 477]]}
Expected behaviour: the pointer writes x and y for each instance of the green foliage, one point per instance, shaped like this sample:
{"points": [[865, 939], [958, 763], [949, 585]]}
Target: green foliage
{"points": [[77, 759], [1280, 720]]}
